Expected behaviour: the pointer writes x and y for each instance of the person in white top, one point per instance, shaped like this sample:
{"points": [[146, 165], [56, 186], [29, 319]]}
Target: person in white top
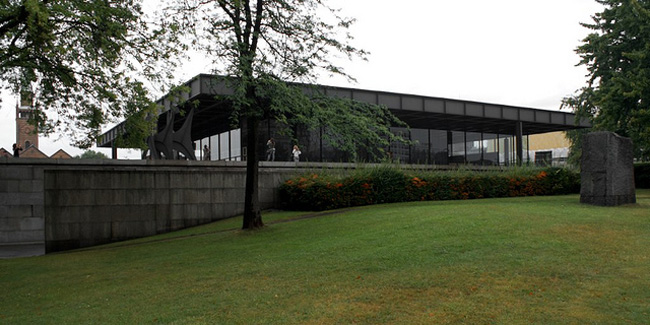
{"points": [[296, 153]]}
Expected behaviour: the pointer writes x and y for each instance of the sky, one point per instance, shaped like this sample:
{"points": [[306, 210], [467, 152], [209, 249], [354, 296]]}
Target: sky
{"points": [[510, 52]]}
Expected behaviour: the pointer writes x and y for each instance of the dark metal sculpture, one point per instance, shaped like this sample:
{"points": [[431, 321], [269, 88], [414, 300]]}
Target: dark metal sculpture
{"points": [[164, 144]]}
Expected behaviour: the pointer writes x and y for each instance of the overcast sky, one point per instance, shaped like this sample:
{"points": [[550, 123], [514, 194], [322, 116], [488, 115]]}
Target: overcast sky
{"points": [[512, 52]]}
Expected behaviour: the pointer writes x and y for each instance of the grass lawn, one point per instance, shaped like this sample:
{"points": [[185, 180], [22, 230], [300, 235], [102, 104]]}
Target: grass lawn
{"points": [[495, 261]]}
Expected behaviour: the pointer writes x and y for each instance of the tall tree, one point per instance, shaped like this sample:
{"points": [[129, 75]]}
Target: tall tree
{"points": [[262, 44], [617, 56], [78, 58]]}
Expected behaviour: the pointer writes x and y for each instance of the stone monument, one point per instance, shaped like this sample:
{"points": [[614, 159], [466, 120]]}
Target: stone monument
{"points": [[607, 171]]}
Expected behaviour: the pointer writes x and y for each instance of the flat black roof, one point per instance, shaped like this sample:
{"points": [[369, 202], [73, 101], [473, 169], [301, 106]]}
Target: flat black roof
{"points": [[212, 116]]}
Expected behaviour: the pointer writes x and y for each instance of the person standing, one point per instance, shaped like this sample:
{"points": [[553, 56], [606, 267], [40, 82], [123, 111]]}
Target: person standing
{"points": [[270, 150], [296, 153], [17, 150], [206, 152]]}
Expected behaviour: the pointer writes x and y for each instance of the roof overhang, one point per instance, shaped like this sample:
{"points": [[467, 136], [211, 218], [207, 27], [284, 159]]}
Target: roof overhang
{"points": [[213, 115]]}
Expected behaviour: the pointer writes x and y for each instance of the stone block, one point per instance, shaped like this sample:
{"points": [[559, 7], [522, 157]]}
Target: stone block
{"points": [[176, 211], [29, 198], [217, 212], [38, 185], [234, 195], [9, 224], [162, 212], [96, 231], [16, 173], [189, 211], [176, 196], [38, 211], [120, 180], [234, 180], [216, 179], [50, 179], [607, 171], [217, 195], [83, 197], [196, 196], [266, 196], [180, 180], [233, 209], [29, 224], [161, 180], [20, 211], [28, 236], [204, 211], [142, 180], [10, 185], [162, 196], [139, 197]]}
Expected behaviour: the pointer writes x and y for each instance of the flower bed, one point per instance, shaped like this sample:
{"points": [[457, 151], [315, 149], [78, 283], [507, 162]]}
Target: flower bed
{"points": [[315, 191]]}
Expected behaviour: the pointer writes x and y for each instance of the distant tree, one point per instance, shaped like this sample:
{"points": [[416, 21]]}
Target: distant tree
{"points": [[90, 154], [79, 59], [263, 44], [617, 56]]}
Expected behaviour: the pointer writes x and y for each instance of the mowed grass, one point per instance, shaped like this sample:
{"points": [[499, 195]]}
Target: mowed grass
{"points": [[548, 260]]}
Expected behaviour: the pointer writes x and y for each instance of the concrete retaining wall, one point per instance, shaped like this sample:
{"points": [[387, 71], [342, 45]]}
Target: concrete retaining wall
{"points": [[22, 209], [50, 205]]}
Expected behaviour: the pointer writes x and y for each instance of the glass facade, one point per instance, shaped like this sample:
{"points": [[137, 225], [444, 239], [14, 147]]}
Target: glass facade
{"points": [[427, 147]]}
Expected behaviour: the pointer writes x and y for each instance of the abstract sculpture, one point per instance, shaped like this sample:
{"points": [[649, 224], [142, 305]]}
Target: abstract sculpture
{"points": [[165, 143]]}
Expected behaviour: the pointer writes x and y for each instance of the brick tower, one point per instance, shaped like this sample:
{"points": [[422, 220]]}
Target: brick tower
{"points": [[25, 135]]}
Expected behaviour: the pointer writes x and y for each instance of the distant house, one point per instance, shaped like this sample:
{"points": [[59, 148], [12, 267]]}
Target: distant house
{"points": [[5, 153], [32, 152], [61, 154]]}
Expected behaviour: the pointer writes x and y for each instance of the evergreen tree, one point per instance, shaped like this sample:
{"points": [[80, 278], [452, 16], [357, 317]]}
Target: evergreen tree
{"points": [[617, 56]]}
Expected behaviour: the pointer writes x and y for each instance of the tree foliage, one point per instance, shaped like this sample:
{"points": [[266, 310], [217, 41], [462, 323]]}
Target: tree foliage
{"points": [[90, 154], [261, 45], [80, 59], [617, 56]]}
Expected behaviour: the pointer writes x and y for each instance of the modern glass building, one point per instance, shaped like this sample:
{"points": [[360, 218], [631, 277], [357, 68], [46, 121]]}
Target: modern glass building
{"points": [[443, 131]]}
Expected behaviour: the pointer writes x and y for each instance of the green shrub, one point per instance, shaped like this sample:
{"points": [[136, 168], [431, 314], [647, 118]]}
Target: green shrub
{"points": [[388, 184]]}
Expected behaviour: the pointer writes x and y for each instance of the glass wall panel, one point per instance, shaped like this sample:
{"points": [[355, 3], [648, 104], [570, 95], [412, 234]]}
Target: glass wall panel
{"points": [[310, 142], [473, 148], [490, 149], [507, 153], [457, 148], [420, 148], [398, 151], [439, 153], [224, 146], [235, 144], [526, 153]]}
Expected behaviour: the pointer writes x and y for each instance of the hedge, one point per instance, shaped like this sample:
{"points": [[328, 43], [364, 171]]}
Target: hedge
{"points": [[388, 185]]}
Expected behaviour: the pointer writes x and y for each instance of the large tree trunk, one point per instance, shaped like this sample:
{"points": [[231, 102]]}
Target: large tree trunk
{"points": [[252, 214]]}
